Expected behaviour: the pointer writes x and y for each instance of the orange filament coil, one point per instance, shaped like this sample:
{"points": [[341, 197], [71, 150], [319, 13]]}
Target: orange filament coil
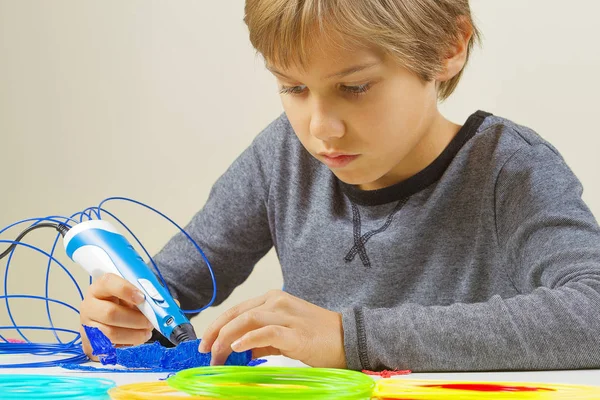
{"points": [[451, 390]]}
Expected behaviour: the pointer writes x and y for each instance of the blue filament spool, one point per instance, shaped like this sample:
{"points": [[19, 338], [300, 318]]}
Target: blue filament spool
{"points": [[25, 387]]}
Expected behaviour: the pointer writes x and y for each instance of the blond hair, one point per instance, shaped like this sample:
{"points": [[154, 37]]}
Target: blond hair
{"points": [[418, 33]]}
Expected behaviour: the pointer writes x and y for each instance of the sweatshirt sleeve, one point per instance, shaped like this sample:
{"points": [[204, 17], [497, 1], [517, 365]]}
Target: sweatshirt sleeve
{"points": [[232, 229], [550, 242]]}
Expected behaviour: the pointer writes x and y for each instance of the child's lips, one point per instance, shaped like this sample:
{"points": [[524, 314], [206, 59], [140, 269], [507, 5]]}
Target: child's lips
{"points": [[337, 160]]}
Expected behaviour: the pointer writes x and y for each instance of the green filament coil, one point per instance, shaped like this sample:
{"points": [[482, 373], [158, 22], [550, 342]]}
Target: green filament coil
{"points": [[229, 382]]}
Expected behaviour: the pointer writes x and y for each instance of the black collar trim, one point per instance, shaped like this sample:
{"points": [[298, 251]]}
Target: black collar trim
{"points": [[431, 174]]}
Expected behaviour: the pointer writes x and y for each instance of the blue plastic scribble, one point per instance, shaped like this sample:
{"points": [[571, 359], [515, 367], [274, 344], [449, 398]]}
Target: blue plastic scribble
{"points": [[89, 368], [155, 357], [101, 345], [256, 361]]}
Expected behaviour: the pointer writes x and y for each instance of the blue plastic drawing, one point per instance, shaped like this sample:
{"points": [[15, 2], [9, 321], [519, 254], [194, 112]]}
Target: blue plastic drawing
{"points": [[155, 357]]}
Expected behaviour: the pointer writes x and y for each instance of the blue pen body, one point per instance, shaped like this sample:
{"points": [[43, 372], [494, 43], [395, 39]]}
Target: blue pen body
{"points": [[99, 248]]}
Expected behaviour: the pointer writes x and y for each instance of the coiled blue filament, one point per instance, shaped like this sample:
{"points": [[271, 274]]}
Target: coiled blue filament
{"points": [[37, 387], [71, 351]]}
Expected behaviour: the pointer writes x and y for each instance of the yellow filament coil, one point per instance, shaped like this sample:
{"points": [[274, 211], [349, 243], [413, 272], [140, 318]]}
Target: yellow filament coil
{"points": [[149, 391], [405, 389], [450, 390]]}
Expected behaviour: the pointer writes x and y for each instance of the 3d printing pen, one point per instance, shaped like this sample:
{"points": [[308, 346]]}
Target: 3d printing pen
{"points": [[99, 248]]}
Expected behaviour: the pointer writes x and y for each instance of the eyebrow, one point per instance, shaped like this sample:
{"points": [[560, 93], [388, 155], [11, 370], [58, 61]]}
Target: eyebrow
{"points": [[347, 71]]}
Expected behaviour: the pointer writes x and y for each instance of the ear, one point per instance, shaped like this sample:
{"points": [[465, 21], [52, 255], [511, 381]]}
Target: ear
{"points": [[457, 54]]}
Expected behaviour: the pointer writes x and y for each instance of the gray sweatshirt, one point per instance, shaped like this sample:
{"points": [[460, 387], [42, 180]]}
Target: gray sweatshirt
{"points": [[488, 259]]}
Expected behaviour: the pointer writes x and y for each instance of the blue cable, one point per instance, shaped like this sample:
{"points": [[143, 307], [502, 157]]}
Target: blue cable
{"points": [[77, 357], [39, 328], [38, 220], [32, 347], [77, 334], [51, 257], [17, 296], [47, 288], [6, 277], [141, 245], [72, 347], [37, 349], [29, 296], [90, 209], [212, 275]]}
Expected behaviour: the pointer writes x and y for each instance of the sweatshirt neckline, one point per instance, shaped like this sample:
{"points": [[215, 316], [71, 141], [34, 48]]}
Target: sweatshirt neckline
{"points": [[429, 175]]}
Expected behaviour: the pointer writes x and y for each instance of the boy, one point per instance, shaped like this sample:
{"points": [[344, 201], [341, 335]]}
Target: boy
{"points": [[405, 241]]}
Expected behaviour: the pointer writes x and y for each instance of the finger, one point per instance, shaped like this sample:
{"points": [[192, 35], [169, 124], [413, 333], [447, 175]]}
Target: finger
{"points": [[117, 315], [265, 352], [110, 286], [125, 336], [125, 304], [279, 337], [246, 322], [212, 332]]}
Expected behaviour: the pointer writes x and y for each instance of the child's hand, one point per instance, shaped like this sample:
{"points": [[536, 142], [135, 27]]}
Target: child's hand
{"points": [[278, 324], [110, 304]]}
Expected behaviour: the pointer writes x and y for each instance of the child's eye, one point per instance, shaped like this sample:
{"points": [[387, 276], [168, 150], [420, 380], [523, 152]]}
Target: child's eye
{"points": [[356, 90], [292, 89]]}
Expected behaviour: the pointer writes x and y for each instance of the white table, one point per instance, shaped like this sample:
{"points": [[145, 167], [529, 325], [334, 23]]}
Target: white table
{"points": [[580, 377]]}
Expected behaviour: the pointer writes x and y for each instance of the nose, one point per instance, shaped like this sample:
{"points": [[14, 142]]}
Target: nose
{"points": [[325, 125]]}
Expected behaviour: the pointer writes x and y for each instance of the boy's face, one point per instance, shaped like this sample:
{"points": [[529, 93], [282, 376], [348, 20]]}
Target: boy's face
{"points": [[361, 114]]}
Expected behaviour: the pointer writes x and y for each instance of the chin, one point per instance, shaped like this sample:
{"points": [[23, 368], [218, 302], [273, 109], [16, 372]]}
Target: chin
{"points": [[354, 179]]}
